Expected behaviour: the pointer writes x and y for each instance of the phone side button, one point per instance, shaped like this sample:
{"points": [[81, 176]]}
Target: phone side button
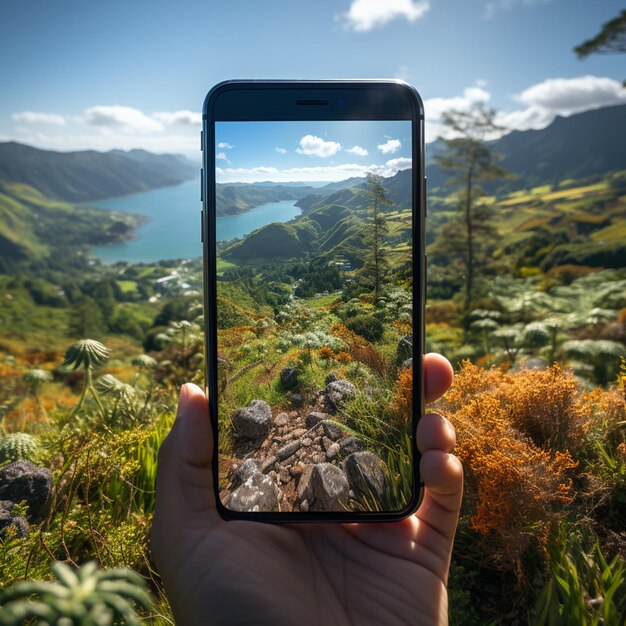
{"points": [[201, 185], [201, 141], [425, 196], [202, 225]]}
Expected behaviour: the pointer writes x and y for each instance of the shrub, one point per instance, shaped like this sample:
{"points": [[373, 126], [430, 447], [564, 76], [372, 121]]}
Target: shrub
{"points": [[515, 490], [18, 447], [368, 326], [402, 401]]}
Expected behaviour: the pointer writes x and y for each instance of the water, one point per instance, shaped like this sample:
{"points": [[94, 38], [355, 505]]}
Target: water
{"points": [[173, 228]]}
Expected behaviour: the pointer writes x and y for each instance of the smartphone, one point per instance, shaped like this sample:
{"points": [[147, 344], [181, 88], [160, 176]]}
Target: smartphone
{"points": [[313, 207]]}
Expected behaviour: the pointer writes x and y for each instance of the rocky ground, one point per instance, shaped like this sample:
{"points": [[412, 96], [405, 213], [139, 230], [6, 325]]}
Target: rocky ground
{"points": [[301, 460]]}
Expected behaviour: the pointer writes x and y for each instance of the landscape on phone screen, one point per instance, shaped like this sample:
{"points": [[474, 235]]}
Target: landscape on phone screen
{"points": [[314, 315]]}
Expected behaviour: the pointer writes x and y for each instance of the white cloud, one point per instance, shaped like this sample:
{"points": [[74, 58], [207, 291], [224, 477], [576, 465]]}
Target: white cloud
{"points": [[493, 6], [365, 15], [434, 108], [327, 173], [358, 151], [185, 118], [390, 146], [221, 156], [225, 146], [281, 150], [34, 117], [316, 146], [126, 118]]}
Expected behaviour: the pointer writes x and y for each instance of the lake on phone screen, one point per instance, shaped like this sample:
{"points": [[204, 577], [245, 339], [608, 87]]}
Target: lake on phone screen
{"points": [[172, 230]]}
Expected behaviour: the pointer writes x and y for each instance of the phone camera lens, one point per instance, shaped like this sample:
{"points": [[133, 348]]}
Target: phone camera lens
{"points": [[340, 102]]}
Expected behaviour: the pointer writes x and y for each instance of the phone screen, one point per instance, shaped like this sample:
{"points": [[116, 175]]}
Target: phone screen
{"points": [[314, 224]]}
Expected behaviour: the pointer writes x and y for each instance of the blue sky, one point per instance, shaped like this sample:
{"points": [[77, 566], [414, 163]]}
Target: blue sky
{"points": [[310, 151], [80, 74]]}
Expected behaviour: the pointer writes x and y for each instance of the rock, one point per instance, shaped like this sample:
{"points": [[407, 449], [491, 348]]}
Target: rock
{"points": [[267, 465], [331, 378], [289, 378], [332, 451], [304, 490], [284, 476], [296, 399], [22, 480], [349, 445], [318, 458], [282, 419], [408, 363], [258, 493], [330, 488], [332, 431], [304, 506], [253, 421], [10, 524], [365, 475], [286, 451], [326, 443], [247, 469], [404, 350], [306, 442], [339, 391], [314, 418], [298, 432]]}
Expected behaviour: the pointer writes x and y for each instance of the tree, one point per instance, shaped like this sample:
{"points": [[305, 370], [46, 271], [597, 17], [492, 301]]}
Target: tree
{"points": [[610, 40], [85, 319], [471, 160], [376, 263]]}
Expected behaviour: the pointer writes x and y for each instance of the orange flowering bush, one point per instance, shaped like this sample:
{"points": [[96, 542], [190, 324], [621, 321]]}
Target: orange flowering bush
{"points": [[360, 349], [344, 357], [402, 401], [515, 489], [326, 353]]}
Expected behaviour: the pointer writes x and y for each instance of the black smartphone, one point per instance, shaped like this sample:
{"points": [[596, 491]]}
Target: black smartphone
{"points": [[313, 234]]}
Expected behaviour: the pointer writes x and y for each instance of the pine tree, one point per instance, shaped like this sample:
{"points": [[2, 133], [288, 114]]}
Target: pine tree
{"points": [[376, 265], [471, 160]]}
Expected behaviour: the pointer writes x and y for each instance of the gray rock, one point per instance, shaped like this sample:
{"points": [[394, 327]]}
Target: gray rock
{"points": [[332, 451], [318, 458], [283, 475], [253, 421], [8, 521], [282, 419], [330, 488], [331, 378], [339, 391], [304, 490], [21, 480], [246, 469], [306, 442], [349, 445], [326, 443], [258, 493], [408, 364], [298, 432], [365, 475], [267, 465], [296, 399], [332, 431], [289, 378], [404, 350], [304, 506], [314, 418], [286, 451]]}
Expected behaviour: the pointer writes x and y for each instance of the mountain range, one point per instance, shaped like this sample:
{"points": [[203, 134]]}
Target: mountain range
{"points": [[90, 175]]}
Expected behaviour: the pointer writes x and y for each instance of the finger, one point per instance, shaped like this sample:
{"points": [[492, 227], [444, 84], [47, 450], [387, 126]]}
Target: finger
{"points": [[442, 474], [196, 434], [435, 432], [438, 375]]}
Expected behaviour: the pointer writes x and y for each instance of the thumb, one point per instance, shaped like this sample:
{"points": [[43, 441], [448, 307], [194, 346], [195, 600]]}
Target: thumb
{"points": [[196, 435]]}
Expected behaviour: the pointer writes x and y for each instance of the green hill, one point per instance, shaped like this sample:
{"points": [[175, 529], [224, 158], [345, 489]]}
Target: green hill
{"points": [[234, 199], [90, 175], [31, 225]]}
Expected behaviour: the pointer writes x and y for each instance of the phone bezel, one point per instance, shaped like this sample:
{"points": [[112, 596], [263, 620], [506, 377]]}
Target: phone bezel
{"points": [[277, 100]]}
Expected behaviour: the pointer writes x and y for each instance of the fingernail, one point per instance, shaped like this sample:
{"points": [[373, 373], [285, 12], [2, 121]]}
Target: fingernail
{"points": [[183, 399]]}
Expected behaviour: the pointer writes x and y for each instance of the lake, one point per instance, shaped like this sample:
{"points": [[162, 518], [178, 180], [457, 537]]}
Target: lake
{"points": [[172, 230]]}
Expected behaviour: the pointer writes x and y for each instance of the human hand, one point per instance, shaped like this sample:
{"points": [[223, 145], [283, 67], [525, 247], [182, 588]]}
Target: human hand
{"points": [[241, 572]]}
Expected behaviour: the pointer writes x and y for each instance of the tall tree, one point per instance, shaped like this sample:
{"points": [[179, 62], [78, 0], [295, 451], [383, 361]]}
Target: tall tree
{"points": [[376, 264], [471, 161]]}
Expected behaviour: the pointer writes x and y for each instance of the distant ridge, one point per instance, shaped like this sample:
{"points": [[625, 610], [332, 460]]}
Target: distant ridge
{"points": [[574, 147], [90, 175]]}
